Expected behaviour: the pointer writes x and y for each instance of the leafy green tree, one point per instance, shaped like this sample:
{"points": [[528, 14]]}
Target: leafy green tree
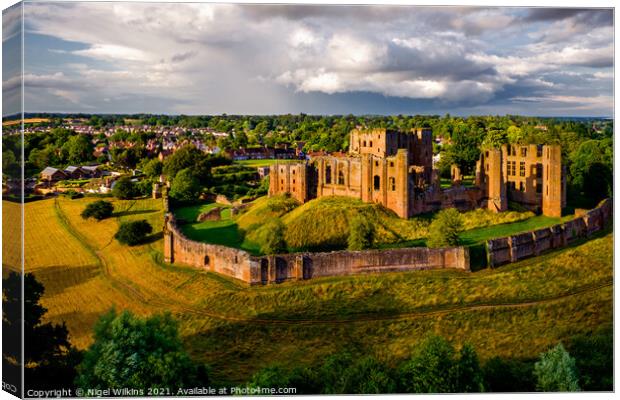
{"points": [[343, 373], [591, 167], [361, 233], [508, 375], [99, 210], [465, 148], [304, 380], [137, 353], [153, 168], [594, 359], [124, 188], [556, 371], [10, 165], [185, 186], [495, 138], [79, 149], [469, 376], [514, 134], [445, 228], [366, 375], [49, 358], [133, 233], [430, 369], [188, 157]]}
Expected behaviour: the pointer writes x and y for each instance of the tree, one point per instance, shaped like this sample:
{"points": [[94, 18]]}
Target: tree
{"points": [[594, 359], [99, 210], [185, 186], [469, 377], [49, 357], [445, 228], [135, 353], [431, 369], [188, 157], [124, 188], [508, 375], [366, 375], [556, 371], [361, 233], [591, 166], [153, 168], [133, 233], [79, 149]]}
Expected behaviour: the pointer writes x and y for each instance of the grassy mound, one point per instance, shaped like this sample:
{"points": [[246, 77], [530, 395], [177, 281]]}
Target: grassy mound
{"points": [[323, 223], [264, 209]]}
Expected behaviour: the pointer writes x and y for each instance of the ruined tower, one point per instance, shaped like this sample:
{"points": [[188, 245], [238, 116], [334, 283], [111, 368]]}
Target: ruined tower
{"points": [[553, 196], [491, 178]]}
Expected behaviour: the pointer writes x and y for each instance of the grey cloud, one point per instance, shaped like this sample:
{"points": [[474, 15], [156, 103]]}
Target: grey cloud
{"points": [[550, 14], [168, 58]]}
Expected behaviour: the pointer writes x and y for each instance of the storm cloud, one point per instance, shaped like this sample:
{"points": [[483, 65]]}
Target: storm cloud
{"points": [[262, 59]]}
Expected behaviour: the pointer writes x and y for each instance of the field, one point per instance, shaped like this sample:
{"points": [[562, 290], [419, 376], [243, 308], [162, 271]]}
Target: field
{"points": [[26, 121], [517, 310]]}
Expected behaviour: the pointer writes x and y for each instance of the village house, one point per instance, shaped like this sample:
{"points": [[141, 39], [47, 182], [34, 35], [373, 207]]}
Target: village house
{"points": [[51, 174]]}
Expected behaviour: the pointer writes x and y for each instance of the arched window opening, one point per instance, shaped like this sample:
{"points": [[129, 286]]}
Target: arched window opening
{"points": [[328, 174], [206, 260]]}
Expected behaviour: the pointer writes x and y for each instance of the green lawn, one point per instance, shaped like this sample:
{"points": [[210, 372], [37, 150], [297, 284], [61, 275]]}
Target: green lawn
{"points": [[475, 236], [263, 163], [224, 232]]}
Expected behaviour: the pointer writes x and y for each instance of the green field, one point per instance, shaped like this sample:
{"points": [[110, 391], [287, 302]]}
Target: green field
{"points": [[224, 232], [517, 310]]}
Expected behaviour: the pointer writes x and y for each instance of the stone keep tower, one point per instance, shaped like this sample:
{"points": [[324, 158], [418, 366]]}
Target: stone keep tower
{"points": [[490, 177], [554, 195]]}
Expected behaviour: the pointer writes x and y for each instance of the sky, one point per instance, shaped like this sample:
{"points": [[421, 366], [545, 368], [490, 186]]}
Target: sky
{"points": [[275, 59]]}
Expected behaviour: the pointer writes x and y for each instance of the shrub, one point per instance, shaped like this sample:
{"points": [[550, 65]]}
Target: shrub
{"points": [[445, 228], [133, 233], [99, 210], [72, 194], [124, 188], [556, 371], [361, 233]]}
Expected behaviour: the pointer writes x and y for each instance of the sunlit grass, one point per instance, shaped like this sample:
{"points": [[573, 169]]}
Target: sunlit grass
{"points": [[553, 297]]}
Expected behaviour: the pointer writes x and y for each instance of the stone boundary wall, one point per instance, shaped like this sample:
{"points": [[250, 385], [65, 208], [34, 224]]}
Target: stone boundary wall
{"points": [[517, 247], [242, 265]]}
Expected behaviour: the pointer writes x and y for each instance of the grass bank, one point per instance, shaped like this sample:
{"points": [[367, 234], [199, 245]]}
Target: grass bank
{"points": [[517, 310]]}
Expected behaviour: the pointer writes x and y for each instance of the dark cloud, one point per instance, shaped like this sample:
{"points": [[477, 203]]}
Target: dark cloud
{"points": [[315, 58], [589, 16], [550, 14]]}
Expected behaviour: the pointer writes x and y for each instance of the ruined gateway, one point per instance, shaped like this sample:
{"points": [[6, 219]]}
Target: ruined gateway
{"points": [[395, 169]]}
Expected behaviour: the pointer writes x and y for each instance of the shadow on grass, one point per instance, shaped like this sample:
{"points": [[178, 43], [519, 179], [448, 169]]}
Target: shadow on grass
{"points": [[136, 212], [153, 238]]}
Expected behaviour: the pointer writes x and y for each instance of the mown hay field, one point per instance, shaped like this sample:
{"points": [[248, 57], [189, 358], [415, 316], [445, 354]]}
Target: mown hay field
{"points": [[11, 237], [517, 310]]}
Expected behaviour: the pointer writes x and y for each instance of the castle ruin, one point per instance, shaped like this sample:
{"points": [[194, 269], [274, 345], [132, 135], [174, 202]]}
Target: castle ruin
{"points": [[395, 169]]}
